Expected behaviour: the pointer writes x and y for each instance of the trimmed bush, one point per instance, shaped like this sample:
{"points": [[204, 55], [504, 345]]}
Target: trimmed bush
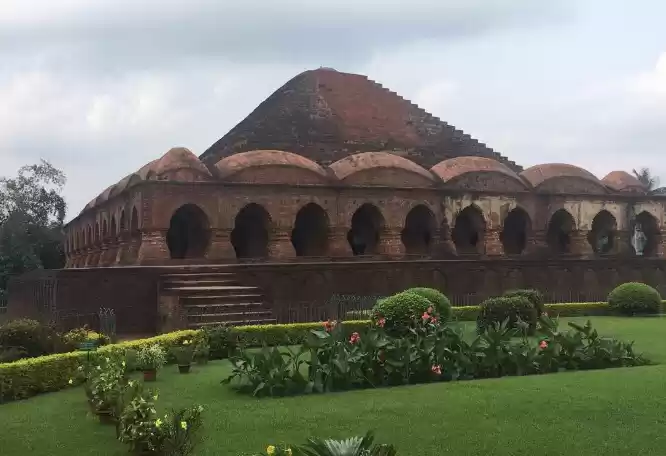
{"points": [[291, 334], [437, 298], [74, 338], [534, 296], [401, 310], [495, 311], [31, 337], [634, 298]]}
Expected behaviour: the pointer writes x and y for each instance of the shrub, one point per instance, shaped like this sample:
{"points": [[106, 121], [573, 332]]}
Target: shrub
{"points": [[495, 311], [151, 357], [30, 336], [74, 338], [634, 298], [402, 309], [439, 301], [534, 296], [220, 341]]}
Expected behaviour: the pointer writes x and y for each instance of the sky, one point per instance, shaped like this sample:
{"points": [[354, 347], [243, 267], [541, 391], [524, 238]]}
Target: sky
{"points": [[101, 87]]}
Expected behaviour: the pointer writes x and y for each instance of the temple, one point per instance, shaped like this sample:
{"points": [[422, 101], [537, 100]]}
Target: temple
{"points": [[333, 169]]}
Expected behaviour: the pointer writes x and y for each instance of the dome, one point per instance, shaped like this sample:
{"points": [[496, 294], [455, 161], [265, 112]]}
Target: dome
{"points": [[357, 163], [176, 159], [623, 181], [237, 163], [125, 183], [455, 167], [538, 174]]}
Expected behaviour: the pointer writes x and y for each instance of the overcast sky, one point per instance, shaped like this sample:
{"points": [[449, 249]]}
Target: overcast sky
{"points": [[100, 87]]}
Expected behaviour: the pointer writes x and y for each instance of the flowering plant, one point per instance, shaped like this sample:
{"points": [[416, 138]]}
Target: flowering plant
{"points": [[184, 353], [151, 357]]}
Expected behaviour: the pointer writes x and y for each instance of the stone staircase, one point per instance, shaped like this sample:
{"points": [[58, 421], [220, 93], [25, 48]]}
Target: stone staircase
{"points": [[217, 298]]}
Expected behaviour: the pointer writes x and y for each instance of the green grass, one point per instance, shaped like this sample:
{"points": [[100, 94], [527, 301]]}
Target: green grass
{"points": [[611, 412]]}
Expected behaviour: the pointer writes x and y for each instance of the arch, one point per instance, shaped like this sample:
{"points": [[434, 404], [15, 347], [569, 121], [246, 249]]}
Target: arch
{"points": [[603, 233], [560, 227], [420, 226], [89, 236], [97, 232], [134, 220], [251, 232], [114, 229], [366, 225], [469, 230], [310, 234], [122, 225], [648, 225], [105, 229], [189, 232], [515, 231]]}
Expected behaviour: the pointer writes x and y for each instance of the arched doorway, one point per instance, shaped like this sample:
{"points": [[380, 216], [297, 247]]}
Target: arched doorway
{"points": [[419, 230], [310, 234], [645, 234], [134, 221], [515, 232], [114, 231], [123, 223], [250, 234], [560, 227], [468, 231], [602, 234], [367, 223], [189, 232]]}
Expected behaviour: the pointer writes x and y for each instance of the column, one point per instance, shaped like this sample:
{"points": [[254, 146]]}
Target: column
{"points": [[660, 240], [390, 243], [537, 243], [133, 245], [280, 246], [104, 255], [338, 244], [623, 243], [579, 243], [220, 245], [442, 245], [153, 247], [492, 244], [121, 250]]}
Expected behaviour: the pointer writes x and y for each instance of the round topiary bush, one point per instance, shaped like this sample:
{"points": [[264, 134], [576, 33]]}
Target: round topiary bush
{"points": [[401, 310], [439, 301], [634, 298], [495, 311], [534, 296]]}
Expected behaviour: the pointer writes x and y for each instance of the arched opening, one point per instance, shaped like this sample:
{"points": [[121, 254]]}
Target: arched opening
{"points": [[114, 230], [123, 223], [310, 234], [105, 230], [514, 235], [250, 234], [419, 230], [367, 222], [645, 235], [602, 234], [134, 221], [560, 227], [468, 231], [97, 233], [189, 232], [89, 238]]}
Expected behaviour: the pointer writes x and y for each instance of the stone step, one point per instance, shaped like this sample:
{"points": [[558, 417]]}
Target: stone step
{"points": [[202, 309], [197, 325], [208, 289], [200, 283], [221, 299], [198, 275], [225, 316]]}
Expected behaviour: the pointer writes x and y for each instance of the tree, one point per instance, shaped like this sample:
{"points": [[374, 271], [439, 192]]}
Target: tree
{"points": [[32, 212], [644, 175]]}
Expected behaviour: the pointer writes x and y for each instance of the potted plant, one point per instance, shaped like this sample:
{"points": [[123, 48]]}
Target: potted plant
{"points": [[150, 359], [184, 353], [202, 352]]}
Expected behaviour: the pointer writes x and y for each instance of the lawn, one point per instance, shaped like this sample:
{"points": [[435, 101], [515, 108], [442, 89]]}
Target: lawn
{"points": [[611, 412]]}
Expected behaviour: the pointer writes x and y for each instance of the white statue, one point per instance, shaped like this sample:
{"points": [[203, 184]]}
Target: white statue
{"points": [[638, 239]]}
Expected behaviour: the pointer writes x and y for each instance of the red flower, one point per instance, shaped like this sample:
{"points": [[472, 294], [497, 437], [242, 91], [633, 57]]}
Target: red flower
{"points": [[543, 345], [381, 322], [355, 337], [436, 369], [425, 316], [329, 326], [433, 320]]}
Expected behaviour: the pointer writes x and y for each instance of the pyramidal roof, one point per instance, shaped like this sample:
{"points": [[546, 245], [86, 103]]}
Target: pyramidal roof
{"points": [[326, 115]]}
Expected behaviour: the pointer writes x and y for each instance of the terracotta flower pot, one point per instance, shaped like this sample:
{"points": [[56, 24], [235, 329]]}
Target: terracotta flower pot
{"points": [[150, 375], [184, 369]]}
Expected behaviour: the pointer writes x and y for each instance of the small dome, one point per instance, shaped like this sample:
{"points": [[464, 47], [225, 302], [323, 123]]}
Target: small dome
{"points": [[236, 163], [179, 158], [455, 167], [538, 174], [623, 181], [372, 160]]}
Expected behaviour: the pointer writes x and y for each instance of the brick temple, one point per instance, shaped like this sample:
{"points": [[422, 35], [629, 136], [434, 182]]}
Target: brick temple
{"points": [[337, 185]]}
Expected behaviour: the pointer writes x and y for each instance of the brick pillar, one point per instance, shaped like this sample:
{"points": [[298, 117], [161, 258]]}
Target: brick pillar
{"points": [[661, 245], [121, 250], [95, 255], [390, 243], [537, 243], [280, 246], [580, 244], [108, 253], [338, 245], [492, 244], [442, 245], [133, 246], [220, 245], [153, 246], [623, 243]]}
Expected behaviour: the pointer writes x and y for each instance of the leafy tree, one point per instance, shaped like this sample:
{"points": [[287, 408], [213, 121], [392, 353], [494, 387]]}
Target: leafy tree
{"points": [[644, 175], [32, 212]]}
